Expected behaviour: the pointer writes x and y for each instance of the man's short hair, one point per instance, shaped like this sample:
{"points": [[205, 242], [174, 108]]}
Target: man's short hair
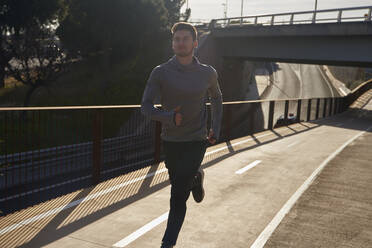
{"points": [[185, 26]]}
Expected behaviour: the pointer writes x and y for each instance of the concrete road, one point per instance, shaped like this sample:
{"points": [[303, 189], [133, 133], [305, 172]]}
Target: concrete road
{"points": [[248, 182], [300, 81]]}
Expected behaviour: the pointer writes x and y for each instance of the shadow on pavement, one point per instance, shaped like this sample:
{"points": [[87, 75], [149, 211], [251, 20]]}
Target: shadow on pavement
{"points": [[213, 159], [74, 218], [357, 119]]}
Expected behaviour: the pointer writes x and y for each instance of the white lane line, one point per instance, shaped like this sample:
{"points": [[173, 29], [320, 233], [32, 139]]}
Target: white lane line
{"points": [[135, 235], [74, 203], [339, 124], [266, 233], [294, 143], [250, 166]]}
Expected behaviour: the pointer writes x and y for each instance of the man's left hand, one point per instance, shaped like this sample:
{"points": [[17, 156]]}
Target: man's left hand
{"points": [[210, 138]]}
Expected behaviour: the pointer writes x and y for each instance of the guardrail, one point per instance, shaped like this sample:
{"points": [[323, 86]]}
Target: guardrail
{"points": [[358, 91], [290, 18], [49, 151]]}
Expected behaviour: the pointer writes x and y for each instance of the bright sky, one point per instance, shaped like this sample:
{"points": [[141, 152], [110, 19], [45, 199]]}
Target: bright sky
{"points": [[209, 9]]}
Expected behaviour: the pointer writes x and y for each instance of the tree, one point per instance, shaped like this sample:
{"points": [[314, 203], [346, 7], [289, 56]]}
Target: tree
{"points": [[174, 11], [38, 60], [16, 17], [113, 31], [114, 26]]}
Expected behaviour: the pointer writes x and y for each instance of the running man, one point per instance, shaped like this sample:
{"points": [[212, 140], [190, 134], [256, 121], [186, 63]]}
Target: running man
{"points": [[184, 85]]}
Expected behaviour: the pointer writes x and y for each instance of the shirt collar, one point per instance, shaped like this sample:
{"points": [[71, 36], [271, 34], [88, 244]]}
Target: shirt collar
{"points": [[194, 64]]}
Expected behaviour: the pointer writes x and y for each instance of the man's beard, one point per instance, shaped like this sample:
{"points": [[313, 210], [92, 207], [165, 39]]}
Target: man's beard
{"points": [[185, 54]]}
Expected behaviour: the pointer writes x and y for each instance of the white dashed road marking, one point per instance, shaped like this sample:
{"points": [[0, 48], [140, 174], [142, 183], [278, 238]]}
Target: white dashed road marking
{"points": [[250, 166], [294, 143], [135, 235]]}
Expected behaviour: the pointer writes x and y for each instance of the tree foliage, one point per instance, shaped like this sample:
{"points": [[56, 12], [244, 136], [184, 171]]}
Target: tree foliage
{"points": [[174, 11], [130, 32], [111, 26], [133, 33], [37, 59], [18, 21], [20, 14]]}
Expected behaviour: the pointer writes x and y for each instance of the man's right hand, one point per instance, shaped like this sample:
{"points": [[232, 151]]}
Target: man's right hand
{"points": [[177, 116]]}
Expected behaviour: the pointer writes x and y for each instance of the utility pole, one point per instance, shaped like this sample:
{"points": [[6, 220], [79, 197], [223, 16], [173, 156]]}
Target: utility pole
{"points": [[315, 9], [225, 9], [241, 14], [241, 9]]}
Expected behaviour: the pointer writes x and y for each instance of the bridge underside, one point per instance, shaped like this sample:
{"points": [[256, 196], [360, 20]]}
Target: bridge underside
{"points": [[325, 44]]}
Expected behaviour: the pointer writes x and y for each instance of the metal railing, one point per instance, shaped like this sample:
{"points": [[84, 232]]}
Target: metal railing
{"points": [[199, 21], [49, 151], [290, 18]]}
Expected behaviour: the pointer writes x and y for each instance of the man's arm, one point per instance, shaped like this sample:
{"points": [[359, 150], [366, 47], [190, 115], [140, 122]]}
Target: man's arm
{"points": [[147, 104], [216, 104]]}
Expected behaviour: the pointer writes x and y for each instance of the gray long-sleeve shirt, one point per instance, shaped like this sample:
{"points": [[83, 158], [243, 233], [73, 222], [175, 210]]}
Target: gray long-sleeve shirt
{"points": [[189, 87]]}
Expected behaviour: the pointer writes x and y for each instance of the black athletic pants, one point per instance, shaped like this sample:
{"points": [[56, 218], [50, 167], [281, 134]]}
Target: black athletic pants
{"points": [[182, 160]]}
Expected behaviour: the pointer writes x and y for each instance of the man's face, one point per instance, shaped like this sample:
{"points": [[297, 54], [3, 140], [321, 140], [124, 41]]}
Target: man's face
{"points": [[183, 44]]}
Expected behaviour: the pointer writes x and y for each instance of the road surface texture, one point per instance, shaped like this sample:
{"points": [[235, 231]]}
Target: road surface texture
{"points": [[302, 81], [320, 172]]}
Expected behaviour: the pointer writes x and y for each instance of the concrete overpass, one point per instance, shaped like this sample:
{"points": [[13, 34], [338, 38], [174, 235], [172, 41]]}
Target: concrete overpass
{"points": [[330, 43], [335, 40], [236, 47]]}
